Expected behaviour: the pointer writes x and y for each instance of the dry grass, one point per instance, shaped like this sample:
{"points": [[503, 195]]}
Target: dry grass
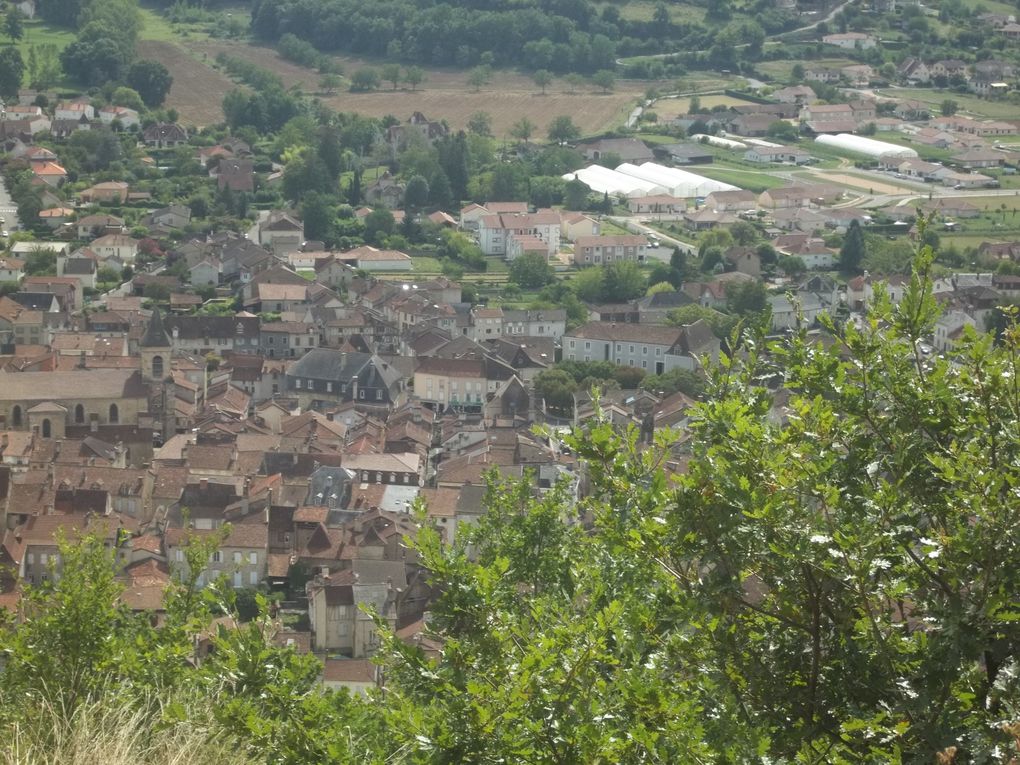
{"points": [[668, 108], [445, 94], [112, 731], [198, 89]]}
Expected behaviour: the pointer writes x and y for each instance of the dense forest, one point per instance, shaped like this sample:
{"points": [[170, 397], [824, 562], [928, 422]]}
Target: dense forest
{"points": [[558, 35], [831, 579]]}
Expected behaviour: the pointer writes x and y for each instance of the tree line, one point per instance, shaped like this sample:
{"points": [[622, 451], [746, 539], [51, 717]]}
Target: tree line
{"points": [[563, 36]]}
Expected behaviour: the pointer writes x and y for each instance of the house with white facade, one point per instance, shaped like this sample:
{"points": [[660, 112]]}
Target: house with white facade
{"points": [[495, 230]]}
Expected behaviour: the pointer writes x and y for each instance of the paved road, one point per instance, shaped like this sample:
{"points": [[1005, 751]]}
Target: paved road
{"points": [[8, 209]]}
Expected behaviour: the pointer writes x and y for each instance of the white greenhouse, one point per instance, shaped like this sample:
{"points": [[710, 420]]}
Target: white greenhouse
{"points": [[858, 144], [722, 143], [602, 180], [676, 182]]}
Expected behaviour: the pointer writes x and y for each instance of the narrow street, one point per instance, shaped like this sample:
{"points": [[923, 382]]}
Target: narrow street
{"points": [[8, 210]]}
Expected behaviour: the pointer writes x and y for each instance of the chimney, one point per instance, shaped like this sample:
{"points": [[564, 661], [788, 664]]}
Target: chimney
{"points": [[354, 388]]}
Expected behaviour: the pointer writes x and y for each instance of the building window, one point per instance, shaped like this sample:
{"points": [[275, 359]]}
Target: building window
{"points": [[157, 367], [114, 414], [237, 559], [217, 557], [253, 558], [361, 393], [253, 578], [16, 416], [47, 429], [79, 414], [237, 580], [329, 387], [378, 395], [297, 383]]}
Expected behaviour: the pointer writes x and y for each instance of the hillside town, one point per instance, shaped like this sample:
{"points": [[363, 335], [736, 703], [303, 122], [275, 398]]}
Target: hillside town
{"points": [[308, 335], [159, 382]]}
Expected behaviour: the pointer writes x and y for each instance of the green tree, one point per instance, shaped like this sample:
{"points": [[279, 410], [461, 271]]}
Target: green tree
{"points": [[660, 286], [854, 249], [480, 123], [414, 76], [416, 194], [744, 233], [542, 78], [780, 130], [330, 83], [128, 97], [589, 285], [12, 70], [379, 224], [317, 214], [574, 82], [531, 270], [792, 266], [556, 388], [523, 129], [391, 73], [623, 281], [563, 130], [722, 324], [575, 195], [687, 381], [948, 107], [604, 79], [14, 24], [364, 80], [152, 80], [747, 297], [479, 76]]}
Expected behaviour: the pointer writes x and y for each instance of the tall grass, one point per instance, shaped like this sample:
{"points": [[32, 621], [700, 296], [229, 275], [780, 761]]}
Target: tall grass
{"points": [[117, 730]]}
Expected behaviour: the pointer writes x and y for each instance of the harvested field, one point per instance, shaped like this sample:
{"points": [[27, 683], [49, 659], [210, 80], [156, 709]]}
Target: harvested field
{"points": [[445, 94], [668, 108], [857, 182], [198, 89]]}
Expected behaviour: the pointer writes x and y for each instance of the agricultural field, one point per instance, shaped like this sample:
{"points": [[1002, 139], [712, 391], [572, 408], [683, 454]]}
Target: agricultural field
{"points": [[198, 89], [643, 10], [668, 108], [744, 179], [780, 70], [970, 105], [445, 94], [999, 222]]}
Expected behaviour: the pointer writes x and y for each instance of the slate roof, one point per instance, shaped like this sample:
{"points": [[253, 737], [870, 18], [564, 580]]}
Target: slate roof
{"points": [[328, 364], [155, 335]]}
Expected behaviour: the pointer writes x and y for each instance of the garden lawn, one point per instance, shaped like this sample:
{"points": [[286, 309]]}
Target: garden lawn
{"points": [[745, 179]]}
